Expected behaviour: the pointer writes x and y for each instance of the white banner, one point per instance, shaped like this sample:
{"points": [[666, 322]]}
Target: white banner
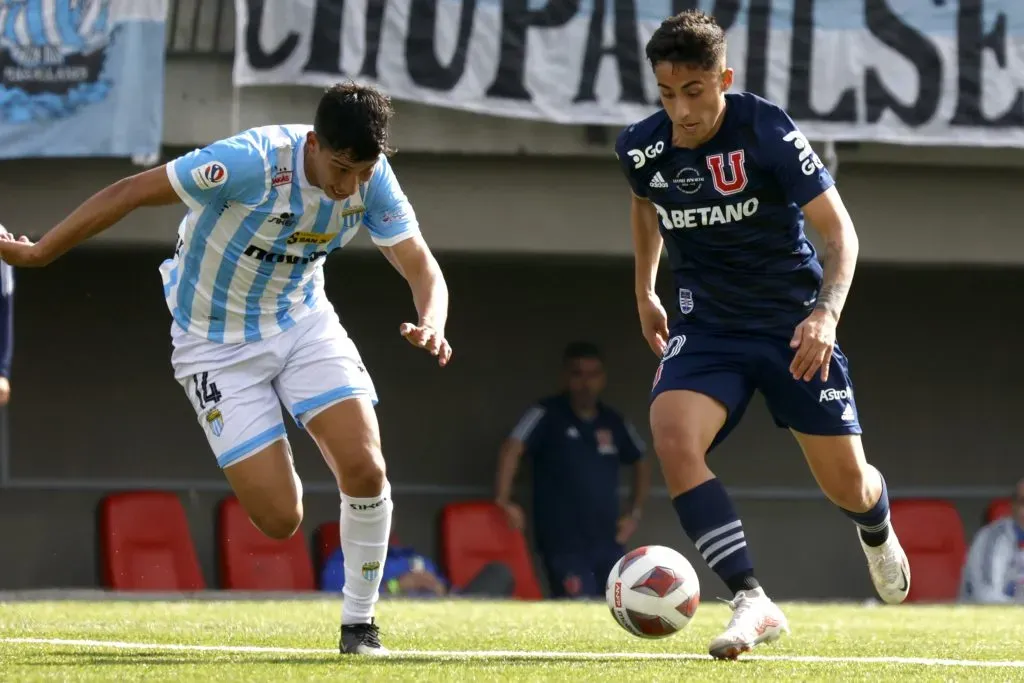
{"points": [[922, 72]]}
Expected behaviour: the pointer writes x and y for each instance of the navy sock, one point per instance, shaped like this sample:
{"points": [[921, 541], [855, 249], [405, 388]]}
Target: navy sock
{"points": [[709, 519], [873, 524]]}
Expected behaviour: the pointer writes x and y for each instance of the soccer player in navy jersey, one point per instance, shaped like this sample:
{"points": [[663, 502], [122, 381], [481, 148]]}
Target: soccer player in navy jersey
{"points": [[726, 182]]}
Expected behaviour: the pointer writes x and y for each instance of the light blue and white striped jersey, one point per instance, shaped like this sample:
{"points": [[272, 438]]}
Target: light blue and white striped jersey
{"points": [[250, 253]]}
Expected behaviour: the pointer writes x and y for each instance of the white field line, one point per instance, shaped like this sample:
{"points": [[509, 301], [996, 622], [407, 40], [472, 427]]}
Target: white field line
{"points": [[513, 654]]}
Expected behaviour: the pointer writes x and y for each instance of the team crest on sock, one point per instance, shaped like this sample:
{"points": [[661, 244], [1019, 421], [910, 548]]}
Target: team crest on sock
{"points": [[371, 570]]}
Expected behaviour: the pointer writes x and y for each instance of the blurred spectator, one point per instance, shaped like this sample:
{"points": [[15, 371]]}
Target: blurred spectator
{"points": [[994, 571], [409, 574], [577, 445], [6, 330]]}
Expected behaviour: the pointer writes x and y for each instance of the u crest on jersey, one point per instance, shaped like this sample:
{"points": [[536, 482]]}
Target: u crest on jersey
{"points": [[732, 180]]}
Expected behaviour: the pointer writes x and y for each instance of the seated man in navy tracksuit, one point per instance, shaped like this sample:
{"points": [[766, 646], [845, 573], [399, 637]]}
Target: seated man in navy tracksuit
{"points": [[410, 574], [405, 573], [577, 445]]}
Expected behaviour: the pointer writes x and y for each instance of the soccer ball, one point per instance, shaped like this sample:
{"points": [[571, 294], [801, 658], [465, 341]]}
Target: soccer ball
{"points": [[652, 591]]}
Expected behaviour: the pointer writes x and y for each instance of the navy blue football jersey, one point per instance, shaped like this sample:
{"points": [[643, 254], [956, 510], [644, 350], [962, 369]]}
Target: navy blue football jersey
{"points": [[729, 212]]}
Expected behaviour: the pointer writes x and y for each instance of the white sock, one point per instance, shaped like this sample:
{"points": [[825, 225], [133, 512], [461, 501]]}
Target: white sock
{"points": [[365, 528]]}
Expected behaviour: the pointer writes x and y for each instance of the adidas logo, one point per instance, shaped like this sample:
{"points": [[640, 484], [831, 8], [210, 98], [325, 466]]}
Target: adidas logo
{"points": [[658, 181], [847, 415]]}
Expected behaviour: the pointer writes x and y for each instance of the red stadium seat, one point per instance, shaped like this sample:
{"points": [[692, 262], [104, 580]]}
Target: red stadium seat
{"points": [[145, 544], [249, 560], [474, 534], [997, 509], [932, 534]]}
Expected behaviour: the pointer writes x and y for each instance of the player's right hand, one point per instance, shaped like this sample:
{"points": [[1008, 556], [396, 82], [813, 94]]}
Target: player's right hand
{"points": [[19, 251], [654, 323], [514, 514]]}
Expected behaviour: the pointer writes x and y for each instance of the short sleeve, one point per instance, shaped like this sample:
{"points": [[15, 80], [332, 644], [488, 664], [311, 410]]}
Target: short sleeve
{"points": [[231, 169], [633, 447], [389, 215], [630, 160], [796, 166], [529, 429]]}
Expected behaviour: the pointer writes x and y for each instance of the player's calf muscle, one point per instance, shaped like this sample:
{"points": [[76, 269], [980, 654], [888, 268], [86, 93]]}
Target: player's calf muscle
{"points": [[841, 470]]}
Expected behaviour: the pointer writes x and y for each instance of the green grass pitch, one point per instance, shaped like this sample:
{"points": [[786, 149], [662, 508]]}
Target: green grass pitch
{"points": [[221, 640]]}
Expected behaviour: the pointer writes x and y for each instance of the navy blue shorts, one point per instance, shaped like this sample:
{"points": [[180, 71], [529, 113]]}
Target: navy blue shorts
{"points": [[729, 368]]}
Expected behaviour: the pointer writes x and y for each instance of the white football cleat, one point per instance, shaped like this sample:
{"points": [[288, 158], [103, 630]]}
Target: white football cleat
{"points": [[889, 568], [755, 620]]}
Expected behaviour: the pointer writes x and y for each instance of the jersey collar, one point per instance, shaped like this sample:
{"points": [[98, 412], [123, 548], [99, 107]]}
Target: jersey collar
{"points": [[300, 162]]}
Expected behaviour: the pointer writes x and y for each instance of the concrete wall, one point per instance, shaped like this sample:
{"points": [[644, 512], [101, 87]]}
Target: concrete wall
{"points": [[933, 354], [904, 214]]}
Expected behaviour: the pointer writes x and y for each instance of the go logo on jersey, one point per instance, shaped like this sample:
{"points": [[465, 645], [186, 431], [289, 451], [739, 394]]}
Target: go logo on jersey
{"points": [[639, 158], [809, 161]]}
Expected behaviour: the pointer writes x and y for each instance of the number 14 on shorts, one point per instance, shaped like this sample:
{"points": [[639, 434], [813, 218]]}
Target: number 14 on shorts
{"points": [[206, 391]]}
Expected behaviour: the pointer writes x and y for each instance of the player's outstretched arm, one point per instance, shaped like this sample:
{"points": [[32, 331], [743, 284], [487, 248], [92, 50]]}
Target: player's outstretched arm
{"points": [[412, 258], [815, 337], [647, 244], [93, 216]]}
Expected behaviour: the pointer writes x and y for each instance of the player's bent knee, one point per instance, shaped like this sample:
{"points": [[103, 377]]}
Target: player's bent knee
{"points": [[674, 445], [852, 489], [349, 438], [362, 475], [684, 424], [268, 488], [278, 522]]}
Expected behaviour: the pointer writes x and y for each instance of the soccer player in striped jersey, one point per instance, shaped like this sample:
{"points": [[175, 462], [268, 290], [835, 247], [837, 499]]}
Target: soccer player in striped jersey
{"points": [[252, 327]]}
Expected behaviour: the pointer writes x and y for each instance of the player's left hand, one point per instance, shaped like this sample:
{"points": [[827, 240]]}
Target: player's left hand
{"points": [[627, 527], [429, 339], [813, 340]]}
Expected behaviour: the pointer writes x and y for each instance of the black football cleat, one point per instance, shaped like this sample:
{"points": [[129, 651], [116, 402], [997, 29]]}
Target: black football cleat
{"points": [[361, 639]]}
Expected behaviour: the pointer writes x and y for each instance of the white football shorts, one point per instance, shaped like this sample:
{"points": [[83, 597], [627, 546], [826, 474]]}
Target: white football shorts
{"points": [[237, 389]]}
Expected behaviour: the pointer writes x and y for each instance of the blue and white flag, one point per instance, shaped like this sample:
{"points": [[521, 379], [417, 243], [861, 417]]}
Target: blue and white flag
{"points": [[81, 77]]}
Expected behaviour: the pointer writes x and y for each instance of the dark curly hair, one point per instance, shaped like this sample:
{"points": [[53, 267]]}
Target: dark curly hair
{"points": [[354, 118], [579, 350], [692, 38]]}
